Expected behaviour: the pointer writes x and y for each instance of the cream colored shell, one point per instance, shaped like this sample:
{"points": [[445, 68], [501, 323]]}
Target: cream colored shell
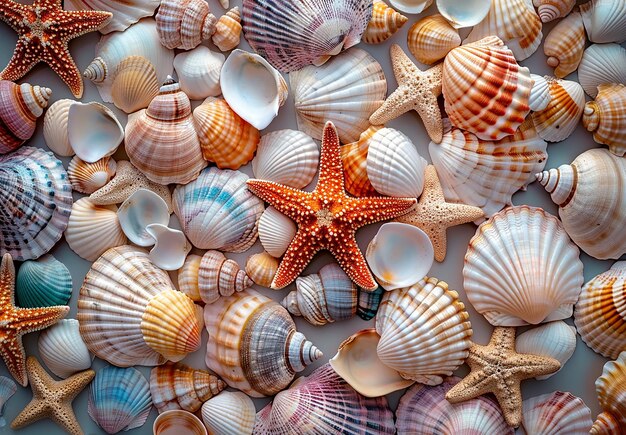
{"points": [[606, 117], [431, 38]]}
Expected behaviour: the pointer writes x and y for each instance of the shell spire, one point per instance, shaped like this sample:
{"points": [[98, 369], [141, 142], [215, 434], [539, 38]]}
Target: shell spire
{"points": [[96, 71], [301, 352], [560, 183]]}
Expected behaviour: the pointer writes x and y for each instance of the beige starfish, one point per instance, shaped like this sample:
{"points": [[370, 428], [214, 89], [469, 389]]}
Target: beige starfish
{"points": [[417, 90], [434, 215]]}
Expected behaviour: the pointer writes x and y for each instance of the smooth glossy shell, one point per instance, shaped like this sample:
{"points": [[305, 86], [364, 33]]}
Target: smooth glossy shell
{"points": [[431, 38], [93, 130], [198, 72], [411, 6], [611, 387], [559, 119], [89, 177], [63, 350], [135, 84], [565, 44], [55, 128], [229, 412], [276, 231], [556, 413], [125, 12], [606, 117], [555, 340], [141, 209], [605, 20], [385, 22], [45, 282], [601, 64], [170, 246]]}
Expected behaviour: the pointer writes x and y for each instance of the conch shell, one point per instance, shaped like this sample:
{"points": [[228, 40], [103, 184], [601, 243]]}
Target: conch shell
{"points": [[184, 23], [606, 117], [549, 10]]}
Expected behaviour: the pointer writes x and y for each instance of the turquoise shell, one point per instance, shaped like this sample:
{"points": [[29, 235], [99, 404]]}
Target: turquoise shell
{"points": [[43, 283], [369, 302]]}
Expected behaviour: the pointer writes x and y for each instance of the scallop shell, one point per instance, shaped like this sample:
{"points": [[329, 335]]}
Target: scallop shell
{"points": [[253, 344], [606, 117], [7, 390], [261, 268], [276, 231], [93, 130], [424, 331], [216, 211], [135, 84], [539, 94], [35, 202], [474, 75], [63, 350], [125, 12], [549, 10], [385, 22], [198, 72], [555, 340], [170, 246], [156, 324], [590, 194], [347, 89], [45, 282], [556, 413], [565, 44], [431, 38], [178, 421], [55, 128], [141, 209], [605, 20], [611, 387], [411, 6], [521, 268], [89, 177], [229, 413], [228, 30], [559, 119], [184, 24], [354, 159], [605, 424], [601, 64], [119, 399]]}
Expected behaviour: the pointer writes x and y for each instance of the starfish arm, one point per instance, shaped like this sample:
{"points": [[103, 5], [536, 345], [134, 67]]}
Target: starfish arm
{"points": [[13, 13], [285, 199], [48, 3], [7, 281], [299, 254], [64, 416], [12, 352], [503, 337], [530, 366], [365, 211], [34, 319], [473, 385], [72, 24], [76, 383], [330, 180], [396, 104], [510, 400], [429, 111], [34, 411], [462, 214], [350, 258], [61, 62], [24, 58]]}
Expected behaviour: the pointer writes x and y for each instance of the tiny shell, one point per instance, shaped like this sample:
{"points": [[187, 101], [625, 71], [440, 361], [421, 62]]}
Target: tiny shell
{"points": [[559, 119], [141, 209], [431, 38], [89, 177], [44, 282], [229, 413], [261, 268], [135, 84], [177, 421], [198, 72], [63, 350], [276, 231], [549, 10], [170, 246], [555, 339], [93, 131], [125, 12], [565, 44], [556, 413], [605, 20], [601, 64], [354, 160], [385, 22], [55, 128], [606, 117], [228, 30], [7, 390], [184, 23], [611, 388]]}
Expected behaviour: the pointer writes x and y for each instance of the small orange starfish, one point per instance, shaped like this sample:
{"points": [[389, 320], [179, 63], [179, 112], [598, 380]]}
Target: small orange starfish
{"points": [[327, 218]]}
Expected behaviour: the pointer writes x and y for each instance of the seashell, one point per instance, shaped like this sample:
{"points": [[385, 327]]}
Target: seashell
{"points": [[156, 324], [225, 138], [119, 399], [599, 313], [45, 282], [188, 277], [63, 350], [184, 24], [253, 343], [605, 20], [431, 38], [486, 174], [555, 339], [287, 157], [323, 403], [170, 246], [605, 424], [89, 177], [198, 72], [20, 106], [611, 387], [177, 421], [399, 255], [463, 14], [385, 22], [356, 361], [92, 229], [228, 30], [606, 117], [216, 211], [565, 44], [35, 202], [141, 209], [424, 331], [601, 64], [515, 23], [93, 130], [347, 89], [124, 12], [590, 193], [261, 268], [425, 409], [521, 268], [368, 303], [135, 84], [539, 94], [177, 386], [411, 6], [354, 159], [229, 412], [555, 413], [559, 119], [549, 10], [306, 32], [55, 128], [276, 231], [7, 390], [161, 140]]}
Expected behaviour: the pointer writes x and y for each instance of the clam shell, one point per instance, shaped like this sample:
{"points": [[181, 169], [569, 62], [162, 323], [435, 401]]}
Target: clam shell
{"points": [[7, 390], [141, 209], [354, 160], [135, 84], [565, 44], [228, 30], [261, 268], [63, 350], [559, 119], [555, 413], [605, 20], [170, 246], [606, 117], [611, 387], [93, 130], [385, 22], [539, 94], [555, 340], [198, 72], [276, 231], [229, 412], [431, 38], [178, 421], [89, 177], [125, 12], [55, 128], [549, 10], [601, 64], [45, 282], [411, 6], [184, 23]]}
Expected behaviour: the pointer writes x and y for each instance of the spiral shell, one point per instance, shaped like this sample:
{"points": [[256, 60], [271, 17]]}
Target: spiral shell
{"points": [[125, 12], [276, 231], [45, 282], [385, 22], [135, 84], [229, 412], [55, 128], [549, 10], [63, 350], [611, 387], [198, 72], [89, 177], [605, 20], [555, 340], [228, 30], [606, 117], [565, 44], [555, 413], [261, 268], [184, 23], [431, 38], [354, 159], [601, 64], [559, 119]]}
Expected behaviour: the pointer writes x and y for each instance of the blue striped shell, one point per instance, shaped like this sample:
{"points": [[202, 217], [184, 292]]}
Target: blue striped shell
{"points": [[45, 282], [7, 390]]}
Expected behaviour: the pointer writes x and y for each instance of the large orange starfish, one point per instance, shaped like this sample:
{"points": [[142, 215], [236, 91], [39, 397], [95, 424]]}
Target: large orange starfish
{"points": [[15, 322], [44, 30], [327, 218]]}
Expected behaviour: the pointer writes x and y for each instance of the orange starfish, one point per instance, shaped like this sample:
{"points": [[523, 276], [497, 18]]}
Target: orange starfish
{"points": [[44, 30], [15, 322], [327, 218]]}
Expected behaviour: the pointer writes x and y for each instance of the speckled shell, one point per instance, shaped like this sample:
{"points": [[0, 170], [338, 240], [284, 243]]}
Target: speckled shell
{"points": [[276, 231], [184, 23], [261, 268], [135, 84], [556, 413], [474, 75], [606, 117], [565, 44], [605, 20], [385, 22], [63, 350], [555, 340], [229, 413], [45, 282], [35, 202], [155, 324], [89, 177], [323, 403], [559, 119], [601, 64], [611, 388], [55, 128], [431, 38], [549, 10], [253, 344], [521, 268], [125, 12], [424, 331], [198, 72], [7, 389], [228, 30], [354, 159]]}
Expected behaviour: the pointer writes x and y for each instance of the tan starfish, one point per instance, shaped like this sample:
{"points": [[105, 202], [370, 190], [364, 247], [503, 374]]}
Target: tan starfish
{"points": [[52, 399], [417, 90], [497, 368], [434, 215]]}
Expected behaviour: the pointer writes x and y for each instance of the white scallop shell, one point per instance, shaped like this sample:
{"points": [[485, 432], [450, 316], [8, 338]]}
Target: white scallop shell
{"points": [[601, 63], [125, 12], [170, 246], [93, 131], [555, 413], [55, 128], [559, 119], [539, 93], [142, 208], [198, 72], [89, 177], [229, 413], [276, 231], [63, 350], [605, 20]]}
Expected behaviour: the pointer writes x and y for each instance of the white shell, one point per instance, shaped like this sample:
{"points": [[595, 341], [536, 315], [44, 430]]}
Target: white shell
{"points": [[170, 246], [125, 12], [89, 177], [93, 131], [601, 63], [555, 413], [229, 413], [539, 93], [276, 231], [142, 208], [559, 119], [605, 20], [411, 6], [198, 72], [555, 339], [63, 350], [55, 128]]}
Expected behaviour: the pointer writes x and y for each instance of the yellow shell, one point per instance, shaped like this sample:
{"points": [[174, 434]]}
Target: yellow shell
{"points": [[228, 30], [611, 389], [354, 158], [261, 268], [565, 45], [385, 22], [431, 38], [549, 10], [606, 117], [89, 177], [560, 117], [135, 84]]}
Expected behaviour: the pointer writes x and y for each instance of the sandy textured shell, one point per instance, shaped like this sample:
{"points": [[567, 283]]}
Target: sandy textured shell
{"points": [[135, 84], [7, 389], [549, 10], [276, 231], [141, 209], [45, 282], [559, 119], [125, 12], [93, 131], [385, 22], [63, 350], [184, 23], [606, 117], [55, 128], [89, 177], [156, 324], [424, 331], [590, 194], [601, 63], [611, 387], [555, 340], [354, 159], [178, 421], [198, 72], [431, 38], [261, 268], [486, 174], [35, 202], [229, 412], [170, 246], [253, 344], [539, 93], [228, 30], [605, 20], [323, 403], [565, 44], [474, 75], [225, 138], [411, 6], [521, 268], [556, 413], [347, 89]]}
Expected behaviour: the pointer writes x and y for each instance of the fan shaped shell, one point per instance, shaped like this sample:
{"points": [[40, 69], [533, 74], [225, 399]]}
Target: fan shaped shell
{"points": [[555, 340], [605, 20], [559, 119], [63, 350], [135, 84], [556, 413], [276, 231], [55, 128], [600, 64], [7, 389], [431, 38], [611, 387], [229, 412], [198, 72], [539, 94], [45, 282], [606, 117], [89, 177], [125, 12]]}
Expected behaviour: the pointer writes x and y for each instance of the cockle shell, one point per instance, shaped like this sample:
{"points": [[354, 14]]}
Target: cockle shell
{"points": [[125, 12], [385, 22], [590, 193], [559, 119], [347, 89], [225, 138], [431, 38], [63, 350], [177, 421], [89, 177], [170, 246], [606, 117], [354, 160], [276, 231], [156, 324], [600, 314], [556, 413], [611, 388], [565, 44], [424, 331], [261, 268], [135, 84], [323, 403], [229, 413], [539, 93], [198, 72], [601, 64], [521, 268], [228, 30], [44, 282], [184, 23], [55, 128], [7, 389], [20, 106], [253, 343], [93, 131], [605, 20], [474, 75], [141, 209], [35, 202], [549, 10], [555, 339], [411, 6]]}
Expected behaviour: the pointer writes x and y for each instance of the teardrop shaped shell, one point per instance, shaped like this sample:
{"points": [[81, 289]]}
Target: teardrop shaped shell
{"points": [[276, 231], [184, 24], [354, 160], [55, 128], [605, 20], [555, 413], [559, 119], [565, 44], [44, 282], [431, 38], [385, 22], [63, 350], [549, 10], [198, 72], [606, 117], [229, 412], [134, 85], [228, 30], [261, 268], [125, 12], [555, 340], [601, 64], [611, 387], [89, 177]]}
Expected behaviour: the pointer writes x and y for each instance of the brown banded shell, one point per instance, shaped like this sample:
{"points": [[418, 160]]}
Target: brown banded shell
{"points": [[560, 117], [184, 23], [228, 30], [431, 38], [262, 268], [354, 158], [611, 389], [549, 10], [135, 84], [565, 45], [385, 22], [89, 177], [606, 117]]}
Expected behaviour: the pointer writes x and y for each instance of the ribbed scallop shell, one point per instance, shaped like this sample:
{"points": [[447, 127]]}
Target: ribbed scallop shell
{"points": [[606, 117], [521, 268], [125, 12], [346, 90], [198, 72], [556, 413], [229, 413], [228, 30], [601, 64], [45, 282], [55, 128], [35, 202], [253, 344], [155, 324], [605, 424], [135, 84], [559, 119], [261, 268], [474, 77], [565, 44], [63, 350], [611, 388], [184, 24], [549, 10], [354, 160], [605, 20], [385, 22], [7, 389], [539, 93], [431, 38], [424, 331], [89, 177], [555, 340], [276, 231]]}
